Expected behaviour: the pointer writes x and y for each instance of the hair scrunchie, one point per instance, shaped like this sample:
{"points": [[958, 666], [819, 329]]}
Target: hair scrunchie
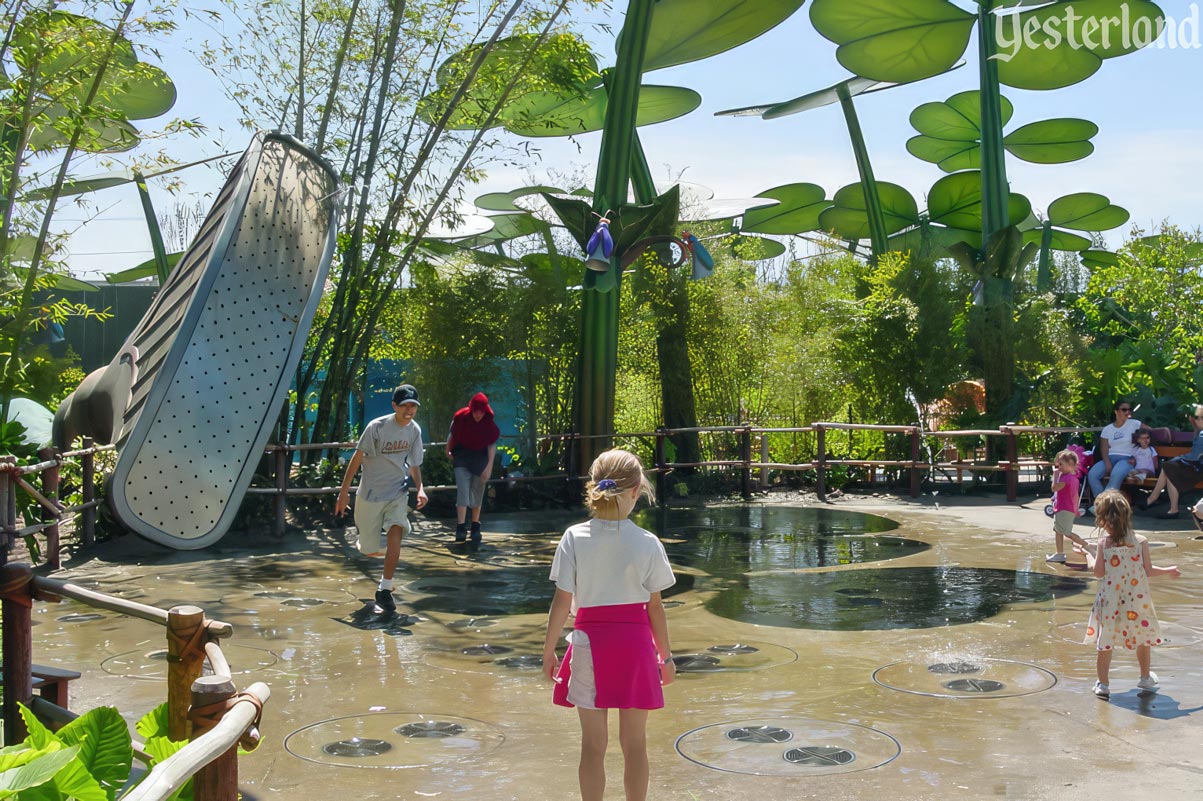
{"points": [[607, 484]]}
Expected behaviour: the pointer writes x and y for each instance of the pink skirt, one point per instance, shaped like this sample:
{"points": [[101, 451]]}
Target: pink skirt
{"points": [[626, 667]]}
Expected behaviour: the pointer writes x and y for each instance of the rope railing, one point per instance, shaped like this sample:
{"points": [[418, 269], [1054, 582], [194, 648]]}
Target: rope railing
{"points": [[207, 710]]}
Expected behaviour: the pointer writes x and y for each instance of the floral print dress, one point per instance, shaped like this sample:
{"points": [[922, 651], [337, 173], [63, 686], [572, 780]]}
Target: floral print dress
{"points": [[1123, 610]]}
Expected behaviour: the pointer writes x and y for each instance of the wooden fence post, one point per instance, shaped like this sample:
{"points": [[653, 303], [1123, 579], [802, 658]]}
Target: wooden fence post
{"points": [[661, 474], [282, 465], [185, 663], [87, 467], [916, 448], [1012, 464], [745, 455], [50, 482], [217, 781], [6, 523], [18, 646], [821, 462], [764, 459]]}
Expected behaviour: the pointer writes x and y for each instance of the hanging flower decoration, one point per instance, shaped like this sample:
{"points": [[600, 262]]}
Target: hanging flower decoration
{"points": [[601, 245]]}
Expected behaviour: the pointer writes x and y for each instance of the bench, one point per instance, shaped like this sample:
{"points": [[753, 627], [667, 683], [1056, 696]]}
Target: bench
{"points": [[1164, 453], [51, 683]]}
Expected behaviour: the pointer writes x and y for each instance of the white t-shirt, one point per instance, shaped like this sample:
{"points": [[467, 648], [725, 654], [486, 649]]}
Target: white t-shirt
{"points": [[1120, 439], [610, 562], [389, 450]]}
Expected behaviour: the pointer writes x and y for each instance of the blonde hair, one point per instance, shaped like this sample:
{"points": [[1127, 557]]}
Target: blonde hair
{"points": [[1113, 514], [1066, 456], [612, 473]]}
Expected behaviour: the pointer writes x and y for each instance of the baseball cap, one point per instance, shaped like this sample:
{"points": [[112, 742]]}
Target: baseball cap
{"points": [[406, 393]]}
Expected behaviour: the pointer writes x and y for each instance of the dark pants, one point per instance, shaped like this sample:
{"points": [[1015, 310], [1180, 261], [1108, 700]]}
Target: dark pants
{"points": [[1182, 475]]}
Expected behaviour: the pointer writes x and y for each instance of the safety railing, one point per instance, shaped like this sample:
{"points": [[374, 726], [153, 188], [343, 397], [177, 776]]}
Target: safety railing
{"points": [[208, 711]]}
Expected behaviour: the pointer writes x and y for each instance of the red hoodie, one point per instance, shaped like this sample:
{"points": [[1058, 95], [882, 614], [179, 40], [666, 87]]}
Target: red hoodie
{"points": [[470, 435]]}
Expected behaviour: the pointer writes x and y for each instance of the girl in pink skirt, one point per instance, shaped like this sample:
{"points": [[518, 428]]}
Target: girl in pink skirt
{"points": [[609, 573]]}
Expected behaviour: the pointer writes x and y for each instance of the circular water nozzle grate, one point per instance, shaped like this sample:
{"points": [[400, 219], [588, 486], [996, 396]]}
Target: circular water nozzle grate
{"points": [[356, 747], [80, 617], [734, 648], [819, 756], [430, 728], [486, 648], [521, 662], [760, 734], [954, 667], [687, 663], [974, 686]]}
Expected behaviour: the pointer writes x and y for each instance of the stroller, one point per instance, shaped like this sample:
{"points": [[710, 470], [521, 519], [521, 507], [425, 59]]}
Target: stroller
{"points": [[1085, 460]]}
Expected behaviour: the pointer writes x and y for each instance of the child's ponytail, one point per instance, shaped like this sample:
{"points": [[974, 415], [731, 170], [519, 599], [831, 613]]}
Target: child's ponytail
{"points": [[612, 473]]}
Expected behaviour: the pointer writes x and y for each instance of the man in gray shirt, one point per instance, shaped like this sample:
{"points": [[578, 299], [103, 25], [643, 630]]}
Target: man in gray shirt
{"points": [[390, 451]]}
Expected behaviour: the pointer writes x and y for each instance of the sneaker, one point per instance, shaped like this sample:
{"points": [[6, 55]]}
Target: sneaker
{"points": [[1090, 510], [1058, 558], [1148, 683], [461, 533], [476, 534], [1168, 515], [1102, 690], [384, 599]]}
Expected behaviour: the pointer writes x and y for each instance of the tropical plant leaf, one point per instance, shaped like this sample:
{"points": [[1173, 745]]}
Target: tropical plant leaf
{"points": [[1052, 141], [1061, 240], [560, 114], [155, 723], [1094, 259], [933, 241], [70, 781], [948, 155], [959, 118], [146, 269], [754, 248], [160, 750], [79, 186], [1087, 211], [956, 201], [99, 135], [576, 215], [32, 767], [848, 219], [630, 223], [686, 30], [886, 40], [504, 201], [798, 210], [505, 228], [104, 746]]}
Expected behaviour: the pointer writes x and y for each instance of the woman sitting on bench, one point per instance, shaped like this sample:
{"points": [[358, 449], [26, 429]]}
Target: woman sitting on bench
{"points": [[1182, 473]]}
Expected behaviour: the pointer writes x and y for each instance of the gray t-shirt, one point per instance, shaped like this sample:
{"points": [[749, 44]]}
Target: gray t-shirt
{"points": [[389, 450]]}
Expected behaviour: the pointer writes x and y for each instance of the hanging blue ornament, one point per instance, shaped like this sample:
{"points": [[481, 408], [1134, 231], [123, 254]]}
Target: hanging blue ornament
{"points": [[600, 246], [703, 262]]}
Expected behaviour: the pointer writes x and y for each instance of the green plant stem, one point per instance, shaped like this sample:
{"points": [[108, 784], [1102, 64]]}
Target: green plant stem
{"points": [[878, 236], [152, 226]]}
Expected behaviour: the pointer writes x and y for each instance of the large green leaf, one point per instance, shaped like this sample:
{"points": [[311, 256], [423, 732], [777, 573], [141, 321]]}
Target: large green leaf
{"points": [[147, 269], [797, 212], [504, 201], [71, 781], [80, 186], [1052, 141], [959, 118], [1061, 240], [52, 129], [933, 241], [688, 30], [160, 749], [1087, 211], [104, 746], [1050, 48], [956, 201], [848, 219], [576, 215], [887, 40], [1095, 259], [754, 248], [560, 114], [948, 155], [155, 723], [21, 770], [505, 228]]}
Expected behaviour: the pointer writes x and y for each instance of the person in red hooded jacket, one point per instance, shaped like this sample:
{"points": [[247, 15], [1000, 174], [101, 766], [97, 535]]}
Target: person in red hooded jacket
{"points": [[471, 446]]}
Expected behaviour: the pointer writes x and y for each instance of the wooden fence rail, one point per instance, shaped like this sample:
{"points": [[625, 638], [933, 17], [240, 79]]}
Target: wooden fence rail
{"points": [[207, 710]]}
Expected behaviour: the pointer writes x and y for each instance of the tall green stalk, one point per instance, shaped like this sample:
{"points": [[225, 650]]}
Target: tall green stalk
{"points": [[878, 237], [595, 387]]}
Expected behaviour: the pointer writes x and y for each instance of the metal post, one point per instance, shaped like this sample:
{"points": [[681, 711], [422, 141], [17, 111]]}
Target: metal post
{"points": [[50, 481], [18, 646], [1012, 464], [185, 663], [282, 465], [87, 466], [764, 459], [916, 448], [745, 455], [821, 462], [217, 781], [661, 471]]}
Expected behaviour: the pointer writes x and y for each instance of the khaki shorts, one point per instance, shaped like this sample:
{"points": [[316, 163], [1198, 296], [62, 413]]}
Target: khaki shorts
{"points": [[374, 519], [1063, 522]]}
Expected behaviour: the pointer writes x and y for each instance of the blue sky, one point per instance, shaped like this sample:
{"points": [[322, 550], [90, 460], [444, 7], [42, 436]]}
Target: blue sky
{"points": [[1148, 158]]}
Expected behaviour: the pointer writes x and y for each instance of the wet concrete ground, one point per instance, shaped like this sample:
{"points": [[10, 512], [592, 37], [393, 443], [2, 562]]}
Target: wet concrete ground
{"points": [[445, 689]]}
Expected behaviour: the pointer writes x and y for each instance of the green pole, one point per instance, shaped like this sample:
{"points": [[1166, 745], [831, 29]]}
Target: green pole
{"points": [[152, 226], [878, 238], [995, 190], [1044, 273], [598, 361]]}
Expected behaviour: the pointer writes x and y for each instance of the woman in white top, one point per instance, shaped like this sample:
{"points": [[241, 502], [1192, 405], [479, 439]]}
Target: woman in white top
{"points": [[1115, 451]]}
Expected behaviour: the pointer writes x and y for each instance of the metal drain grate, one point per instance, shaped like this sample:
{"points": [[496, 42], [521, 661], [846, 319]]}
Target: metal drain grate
{"points": [[760, 734], [481, 650], [472, 623], [954, 667], [430, 728], [974, 685], [302, 602], [521, 662], [734, 648], [695, 662], [80, 618], [357, 747], [819, 756]]}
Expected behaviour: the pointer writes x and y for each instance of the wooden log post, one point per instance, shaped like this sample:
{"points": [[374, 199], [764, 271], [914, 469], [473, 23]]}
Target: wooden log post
{"points": [[916, 449], [745, 456], [17, 605], [185, 663], [1012, 464], [661, 469], [8, 502], [217, 781], [821, 461], [87, 467], [50, 485], [281, 501], [764, 459]]}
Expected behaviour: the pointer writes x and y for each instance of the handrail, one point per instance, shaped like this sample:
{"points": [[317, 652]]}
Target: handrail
{"points": [[122, 606]]}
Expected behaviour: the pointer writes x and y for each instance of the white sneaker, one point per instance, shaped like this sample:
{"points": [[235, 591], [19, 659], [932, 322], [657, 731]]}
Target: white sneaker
{"points": [[1059, 558], [1090, 510], [1148, 683], [1102, 690]]}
